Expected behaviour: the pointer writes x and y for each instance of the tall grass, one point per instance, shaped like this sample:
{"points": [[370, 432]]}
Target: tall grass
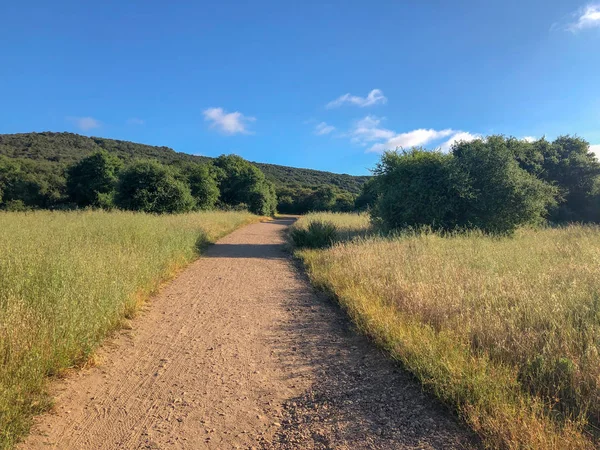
{"points": [[69, 279], [507, 330]]}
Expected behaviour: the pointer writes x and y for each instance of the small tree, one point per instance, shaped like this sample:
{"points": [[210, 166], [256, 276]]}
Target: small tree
{"points": [[344, 202], [502, 195], [417, 188], [203, 186], [569, 164], [151, 187], [241, 182], [93, 180], [368, 195]]}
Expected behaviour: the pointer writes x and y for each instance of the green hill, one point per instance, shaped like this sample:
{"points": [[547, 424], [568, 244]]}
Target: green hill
{"points": [[64, 149]]}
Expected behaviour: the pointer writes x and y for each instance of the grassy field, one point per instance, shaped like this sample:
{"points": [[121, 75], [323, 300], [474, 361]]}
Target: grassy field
{"points": [[505, 330], [68, 279]]}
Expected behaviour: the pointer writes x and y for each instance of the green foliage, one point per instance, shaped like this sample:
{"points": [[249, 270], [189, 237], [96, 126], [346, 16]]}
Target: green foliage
{"points": [[92, 181], [242, 182], [149, 186], [65, 149], [33, 184], [479, 185], [344, 202], [203, 185], [418, 188], [569, 164], [499, 196], [318, 234], [368, 195], [322, 199], [298, 200]]}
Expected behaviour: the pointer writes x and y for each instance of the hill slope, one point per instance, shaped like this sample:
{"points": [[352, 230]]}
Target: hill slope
{"points": [[67, 148]]}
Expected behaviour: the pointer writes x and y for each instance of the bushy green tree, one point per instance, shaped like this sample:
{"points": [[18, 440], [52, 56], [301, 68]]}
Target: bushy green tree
{"points": [[368, 195], [93, 180], [241, 182], [416, 188], [203, 185], [569, 164], [501, 196], [149, 186], [344, 202], [322, 198], [478, 185], [32, 183]]}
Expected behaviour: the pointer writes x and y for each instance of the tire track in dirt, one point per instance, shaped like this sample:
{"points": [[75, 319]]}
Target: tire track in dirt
{"points": [[240, 352]]}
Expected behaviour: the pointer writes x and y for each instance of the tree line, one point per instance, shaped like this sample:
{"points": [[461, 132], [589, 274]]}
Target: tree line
{"points": [[494, 184], [43, 160], [102, 180]]}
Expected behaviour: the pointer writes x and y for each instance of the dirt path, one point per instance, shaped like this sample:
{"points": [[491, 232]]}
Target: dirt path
{"points": [[239, 352]]}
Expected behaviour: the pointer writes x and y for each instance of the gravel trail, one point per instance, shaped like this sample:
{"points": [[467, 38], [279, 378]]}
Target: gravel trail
{"points": [[240, 352]]}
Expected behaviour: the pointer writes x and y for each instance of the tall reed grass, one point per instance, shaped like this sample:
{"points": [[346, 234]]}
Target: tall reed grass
{"points": [[506, 330], [68, 279]]}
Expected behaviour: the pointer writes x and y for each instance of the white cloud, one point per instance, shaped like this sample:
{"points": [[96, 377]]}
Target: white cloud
{"points": [[85, 123], [369, 131], [228, 123], [595, 149], [373, 98], [322, 128], [461, 136], [586, 17], [529, 138], [135, 121]]}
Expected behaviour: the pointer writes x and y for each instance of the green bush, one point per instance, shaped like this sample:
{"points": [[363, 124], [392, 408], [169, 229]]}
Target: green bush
{"points": [[92, 181], [318, 234], [479, 185], [418, 188], [500, 195], [243, 182], [149, 186], [203, 186]]}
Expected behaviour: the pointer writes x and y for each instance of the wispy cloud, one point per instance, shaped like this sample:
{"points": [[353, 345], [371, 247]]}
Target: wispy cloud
{"points": [[135, 121], [228, 123], [373, 98], [461, 136], [586, 17], [529, 138], [369, 131], [322, 129], [595, 149], [85, 123]]}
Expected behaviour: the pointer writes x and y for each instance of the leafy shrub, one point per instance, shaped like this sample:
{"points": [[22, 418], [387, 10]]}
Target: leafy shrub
{"points": [[203, 186], [92, 181], [479, 185], [151, 187], [318, 234], [418, 188], [499, 195], [242, 182]]}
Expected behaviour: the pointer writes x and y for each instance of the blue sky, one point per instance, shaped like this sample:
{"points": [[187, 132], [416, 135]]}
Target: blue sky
{"points": [[324, 85]]}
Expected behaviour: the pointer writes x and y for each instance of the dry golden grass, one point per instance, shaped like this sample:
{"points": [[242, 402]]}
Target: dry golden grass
{"points": [[68, 279], [507, 330]]}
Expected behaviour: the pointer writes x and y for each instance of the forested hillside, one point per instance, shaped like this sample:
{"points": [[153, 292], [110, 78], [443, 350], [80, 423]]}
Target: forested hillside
{"points": [[68, 148]]}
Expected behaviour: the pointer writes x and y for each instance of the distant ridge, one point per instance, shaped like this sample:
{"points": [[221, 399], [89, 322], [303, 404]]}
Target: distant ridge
{"points": [[65, 148]]}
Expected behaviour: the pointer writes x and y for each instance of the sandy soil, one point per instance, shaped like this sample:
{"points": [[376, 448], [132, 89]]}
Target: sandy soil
{"points": [[240, 352]]}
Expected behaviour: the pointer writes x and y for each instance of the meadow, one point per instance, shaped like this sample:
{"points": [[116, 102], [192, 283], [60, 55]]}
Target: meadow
{"points": [[505, 330], [68, 279]]}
